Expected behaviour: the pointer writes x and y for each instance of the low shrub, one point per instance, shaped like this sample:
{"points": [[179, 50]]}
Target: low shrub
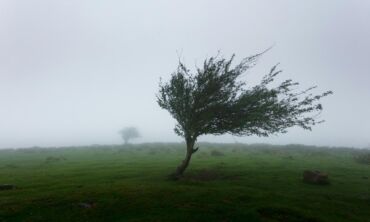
{"points": [[217, 153], [363, 158]]}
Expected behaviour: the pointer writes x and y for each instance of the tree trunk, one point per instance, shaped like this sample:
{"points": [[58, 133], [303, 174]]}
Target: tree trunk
{"points": [[185, 163]]}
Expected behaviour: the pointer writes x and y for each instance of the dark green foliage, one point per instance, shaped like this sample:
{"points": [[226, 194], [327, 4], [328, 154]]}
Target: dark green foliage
{"points": [[215, 101]]}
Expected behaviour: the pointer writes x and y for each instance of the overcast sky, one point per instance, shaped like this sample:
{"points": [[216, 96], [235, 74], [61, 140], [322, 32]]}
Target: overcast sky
{"points": [[74, 72]]}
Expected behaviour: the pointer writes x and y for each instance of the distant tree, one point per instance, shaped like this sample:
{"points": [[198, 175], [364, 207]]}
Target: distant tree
{"points": [[214, 101], [129, 133]]}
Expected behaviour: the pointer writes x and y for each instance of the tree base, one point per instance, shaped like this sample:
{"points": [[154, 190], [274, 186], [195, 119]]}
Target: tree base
{"points": [[174, 176]]}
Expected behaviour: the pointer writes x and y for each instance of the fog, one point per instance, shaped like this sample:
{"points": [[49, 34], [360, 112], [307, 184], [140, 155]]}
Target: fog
{"points": [[76, 72]]}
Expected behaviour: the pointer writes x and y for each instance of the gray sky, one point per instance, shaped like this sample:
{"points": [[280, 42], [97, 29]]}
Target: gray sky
{"points": [[75, 72]]}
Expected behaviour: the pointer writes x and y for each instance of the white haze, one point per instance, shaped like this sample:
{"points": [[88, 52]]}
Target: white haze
{"points": [[74, 72]]}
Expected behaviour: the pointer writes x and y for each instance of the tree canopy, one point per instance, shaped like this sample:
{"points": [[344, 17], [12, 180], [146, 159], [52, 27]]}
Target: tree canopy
{"points": [[128, 133], [215, 101]]}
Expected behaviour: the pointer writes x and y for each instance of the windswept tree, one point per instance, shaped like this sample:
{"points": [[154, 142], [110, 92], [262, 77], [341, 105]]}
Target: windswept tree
{"points": [[129, 133], [215, 101]]}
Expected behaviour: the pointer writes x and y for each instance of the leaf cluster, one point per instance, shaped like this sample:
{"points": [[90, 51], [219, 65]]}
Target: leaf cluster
{"points": [[215, 101]]}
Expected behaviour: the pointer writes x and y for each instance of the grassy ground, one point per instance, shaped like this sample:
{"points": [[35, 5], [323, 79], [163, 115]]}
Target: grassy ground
{"points": [[230, 182]]}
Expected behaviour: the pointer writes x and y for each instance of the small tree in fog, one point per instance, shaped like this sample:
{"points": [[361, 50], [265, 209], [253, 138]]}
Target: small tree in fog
{"points": [[215, 101], [129, 133]]}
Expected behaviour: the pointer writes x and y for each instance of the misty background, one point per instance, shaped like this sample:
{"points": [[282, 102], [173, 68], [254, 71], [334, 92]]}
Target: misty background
{"points": [[76, 72]]}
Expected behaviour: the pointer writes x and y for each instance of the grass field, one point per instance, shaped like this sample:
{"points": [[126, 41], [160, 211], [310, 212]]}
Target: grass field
{"points": [[225, 182]]}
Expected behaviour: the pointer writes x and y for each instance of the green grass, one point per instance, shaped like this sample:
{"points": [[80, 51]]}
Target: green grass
{"points": [[128, 183]]}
